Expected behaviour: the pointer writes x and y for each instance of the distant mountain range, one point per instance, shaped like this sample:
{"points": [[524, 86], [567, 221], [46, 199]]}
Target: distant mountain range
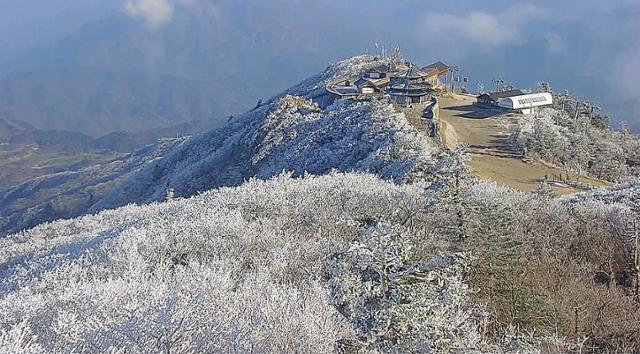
{"points": [[116, 74], [27, 152], [14, 134]]}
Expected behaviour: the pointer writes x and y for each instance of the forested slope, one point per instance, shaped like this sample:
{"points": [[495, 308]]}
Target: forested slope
{"points": [[373, 239], [340, 262], [576, 136]]}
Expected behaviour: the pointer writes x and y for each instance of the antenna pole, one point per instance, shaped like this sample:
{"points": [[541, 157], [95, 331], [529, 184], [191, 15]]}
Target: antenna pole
{"points": [[575, 118]]}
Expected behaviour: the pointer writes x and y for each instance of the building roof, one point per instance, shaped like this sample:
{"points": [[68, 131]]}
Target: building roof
{"points": [[347, 90], [526, 101], [364, 82], [412, 73], [495, 96], [410, 88], [438, 67], [382, 69], [411, 82]]}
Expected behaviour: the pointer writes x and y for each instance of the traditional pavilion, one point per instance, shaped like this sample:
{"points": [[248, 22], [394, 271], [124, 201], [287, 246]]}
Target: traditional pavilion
{"points": [[410, 87]]}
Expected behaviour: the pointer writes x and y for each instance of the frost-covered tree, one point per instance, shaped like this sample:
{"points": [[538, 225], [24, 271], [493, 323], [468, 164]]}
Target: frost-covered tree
{"points": [[19, 339], [576, 136], [397, 306]]}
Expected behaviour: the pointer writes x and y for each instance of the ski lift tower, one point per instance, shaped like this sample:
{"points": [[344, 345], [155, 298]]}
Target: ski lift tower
{"points": [[455, 70]]}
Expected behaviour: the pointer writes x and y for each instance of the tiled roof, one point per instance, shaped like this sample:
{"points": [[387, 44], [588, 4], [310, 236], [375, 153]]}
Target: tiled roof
{"points": [[502, 94]]}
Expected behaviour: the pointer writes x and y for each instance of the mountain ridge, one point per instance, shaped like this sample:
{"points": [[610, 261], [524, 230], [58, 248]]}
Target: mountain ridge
{"points": [[301, 133]]}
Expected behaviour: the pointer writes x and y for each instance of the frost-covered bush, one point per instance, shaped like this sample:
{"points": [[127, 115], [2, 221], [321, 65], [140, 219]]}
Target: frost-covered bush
{"points": [[584, 143], [245, 268], [19, 339], [542, 137], [563, 268], [397, 306], [347, 136], [237, 269]]}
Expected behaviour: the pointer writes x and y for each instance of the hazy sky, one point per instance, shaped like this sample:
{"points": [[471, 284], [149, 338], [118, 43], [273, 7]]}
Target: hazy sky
{"points": [[590, 47]]}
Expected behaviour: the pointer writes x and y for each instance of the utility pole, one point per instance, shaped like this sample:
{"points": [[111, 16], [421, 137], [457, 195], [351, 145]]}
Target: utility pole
{"points": [[499, 84], [636, 258], [575, 118], [447, 80], [454, 78]]}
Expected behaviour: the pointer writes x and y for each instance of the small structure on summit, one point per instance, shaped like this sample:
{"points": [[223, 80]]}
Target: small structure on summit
{"points": [[344, 89], [369, 87], [379, 72], [396, 78], [526, 104], [409, 87], [435, 72], [491, 99], [370, 83], [374, 80]]}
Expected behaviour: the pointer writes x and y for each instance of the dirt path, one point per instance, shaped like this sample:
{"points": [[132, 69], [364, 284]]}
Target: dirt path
{"points": [[492, 158]]}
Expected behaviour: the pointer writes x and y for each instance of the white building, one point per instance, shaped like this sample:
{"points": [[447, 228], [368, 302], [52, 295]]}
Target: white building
{"points": [[526, 103]]}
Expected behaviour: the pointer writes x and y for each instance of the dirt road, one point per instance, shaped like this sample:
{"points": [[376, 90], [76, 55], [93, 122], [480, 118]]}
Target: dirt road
{"points": [[492, 158]]}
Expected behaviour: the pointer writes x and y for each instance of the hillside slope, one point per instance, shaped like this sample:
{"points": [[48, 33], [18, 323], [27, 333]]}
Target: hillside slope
{"points": [[302, 133], [321, 264], [247, 260], [371, 240], [488, 135]]}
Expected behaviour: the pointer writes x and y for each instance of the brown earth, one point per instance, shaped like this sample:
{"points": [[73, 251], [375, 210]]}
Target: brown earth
{"points": [[485, 132]]}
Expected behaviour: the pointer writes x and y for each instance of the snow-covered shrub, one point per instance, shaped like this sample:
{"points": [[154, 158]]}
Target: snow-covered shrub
{"points": [[237, 269], [397, 306], [245, 268], [18, 339], [584, 143], [542, 137], [346, 136]]}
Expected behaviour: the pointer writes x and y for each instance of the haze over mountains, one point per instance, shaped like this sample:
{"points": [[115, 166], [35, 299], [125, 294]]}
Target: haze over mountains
{"points": [[116, 73], [78, 84]]}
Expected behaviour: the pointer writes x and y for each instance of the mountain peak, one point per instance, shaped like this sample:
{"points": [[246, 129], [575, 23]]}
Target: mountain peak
{"points": [[302, 130]]}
